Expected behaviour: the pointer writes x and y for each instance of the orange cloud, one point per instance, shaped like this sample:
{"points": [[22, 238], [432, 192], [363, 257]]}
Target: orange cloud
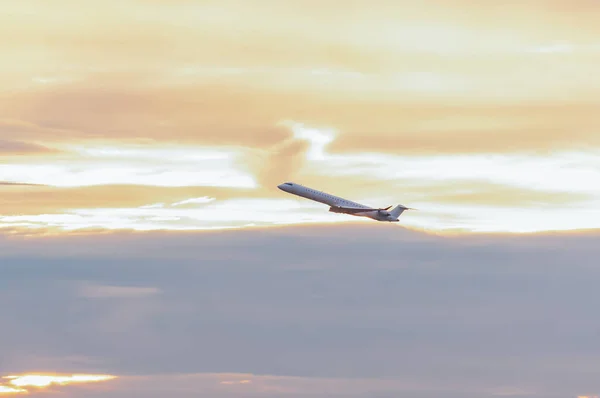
{"points": [[11, 390], [23, 384], [424, 129], [239, 114], [405, 79], [481, 193], [18, 199], [277, 163], [408, 78], [20, 148]]}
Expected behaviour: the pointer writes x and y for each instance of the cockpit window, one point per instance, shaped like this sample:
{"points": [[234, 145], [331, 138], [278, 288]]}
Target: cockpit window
{"points": [[289, 183]]}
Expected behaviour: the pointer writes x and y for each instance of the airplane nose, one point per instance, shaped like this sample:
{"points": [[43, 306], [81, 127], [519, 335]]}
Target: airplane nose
{"points": [[285, 186]]}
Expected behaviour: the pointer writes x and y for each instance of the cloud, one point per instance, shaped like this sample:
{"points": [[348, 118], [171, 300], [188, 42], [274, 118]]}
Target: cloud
{"points": [[179, 99], [302, 304], [236, 113], [42, 199], [21, 148], [103, 291], [466, 206], [483, 193], [187, 166], [19, 184], [143, 112], [471, 192], [30, 131], [278, 163], [34, 383], [136, 124], [442, 29], [11, 390], [423, 129], [363, 76], [194, 201], [229, 385]]}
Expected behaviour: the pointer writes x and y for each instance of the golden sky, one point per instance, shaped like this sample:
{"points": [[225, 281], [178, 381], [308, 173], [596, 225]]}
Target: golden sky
{"points": [[175, 114]]}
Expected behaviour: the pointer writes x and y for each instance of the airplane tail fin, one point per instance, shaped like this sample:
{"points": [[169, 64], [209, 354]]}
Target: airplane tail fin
{"points": [[398, 210]]}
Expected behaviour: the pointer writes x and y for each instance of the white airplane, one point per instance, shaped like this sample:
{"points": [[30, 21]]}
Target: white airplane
{"points": [[341, 205]]}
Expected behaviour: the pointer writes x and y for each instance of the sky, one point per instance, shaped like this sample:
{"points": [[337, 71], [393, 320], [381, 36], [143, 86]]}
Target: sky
{"points": [[145, 244]]}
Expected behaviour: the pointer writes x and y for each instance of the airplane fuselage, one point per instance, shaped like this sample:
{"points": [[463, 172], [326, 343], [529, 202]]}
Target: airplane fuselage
{"points": [[338, 204]]}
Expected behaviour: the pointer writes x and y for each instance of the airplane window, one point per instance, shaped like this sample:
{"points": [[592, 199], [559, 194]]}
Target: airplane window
{"points": [[288, 183]]}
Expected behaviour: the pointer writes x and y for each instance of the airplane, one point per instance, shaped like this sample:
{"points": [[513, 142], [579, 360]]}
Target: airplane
{"points": [[344, 206]]}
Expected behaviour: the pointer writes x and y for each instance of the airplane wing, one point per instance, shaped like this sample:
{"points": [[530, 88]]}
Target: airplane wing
{"points": [[352, 210]]}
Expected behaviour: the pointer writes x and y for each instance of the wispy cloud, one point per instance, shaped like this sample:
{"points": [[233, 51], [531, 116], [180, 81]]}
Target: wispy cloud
{"points": [[381, 105], [21, 148], [194, 201], [33, 383], [16, 184], [473, 192], [104, 291], [232, 384]]}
